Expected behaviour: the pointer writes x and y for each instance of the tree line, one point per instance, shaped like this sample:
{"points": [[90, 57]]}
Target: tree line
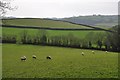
{"points": [[102, 41]]}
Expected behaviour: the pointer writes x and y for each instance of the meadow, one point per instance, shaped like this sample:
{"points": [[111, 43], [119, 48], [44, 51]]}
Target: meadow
{"points": [[32, 32], [0, 61], [65, 62], [46, 23], [41, 23]]}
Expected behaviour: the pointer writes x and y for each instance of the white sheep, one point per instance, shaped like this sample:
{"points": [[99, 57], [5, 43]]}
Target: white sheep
{"points": [[34, 56], [106, 51], [23, 58], [82, 53], [93, 52]]}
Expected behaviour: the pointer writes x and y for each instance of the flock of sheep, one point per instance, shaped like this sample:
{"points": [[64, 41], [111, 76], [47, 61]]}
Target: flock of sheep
{"points": [[92, 52], [23, 58]]}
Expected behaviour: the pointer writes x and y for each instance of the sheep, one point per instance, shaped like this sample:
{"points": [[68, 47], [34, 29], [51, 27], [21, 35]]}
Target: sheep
{"points": [[106, 51], [23, 58], [82, 53], [34, 56], [48, 57], [93, 52]]}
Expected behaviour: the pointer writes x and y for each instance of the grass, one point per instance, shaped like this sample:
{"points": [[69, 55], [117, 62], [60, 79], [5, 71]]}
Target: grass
{"points": [[45, 23], [66, 62], [0, 31], [106, 25], [0, 61], [79, 34], [42, 23]]}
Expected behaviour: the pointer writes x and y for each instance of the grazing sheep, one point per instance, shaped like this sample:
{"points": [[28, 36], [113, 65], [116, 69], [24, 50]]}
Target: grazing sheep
{"points": [[82, 53], [23, 58], [48, 57], [93, 52], [106, 51], [34, 56]]}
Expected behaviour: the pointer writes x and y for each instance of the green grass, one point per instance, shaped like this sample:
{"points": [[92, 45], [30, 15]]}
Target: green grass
{"points": [[0, 61], [79, 34], [106, 25], [45, 23], [42, 23], [0, 30], [66, 62]]}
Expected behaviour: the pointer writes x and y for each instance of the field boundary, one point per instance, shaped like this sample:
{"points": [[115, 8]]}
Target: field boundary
{"points": [[47, 28]]}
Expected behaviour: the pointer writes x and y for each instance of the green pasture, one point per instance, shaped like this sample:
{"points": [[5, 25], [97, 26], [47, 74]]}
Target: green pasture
{"points": [[46, 23], [65, 63], [42, 23], [0, 60], [79, 34]]}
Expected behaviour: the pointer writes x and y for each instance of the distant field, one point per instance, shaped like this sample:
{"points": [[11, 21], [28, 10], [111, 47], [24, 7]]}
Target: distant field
{"points": [[42, 23], [65, 63], [106, 25], [46, 23], [103, 21], [79, 34]]}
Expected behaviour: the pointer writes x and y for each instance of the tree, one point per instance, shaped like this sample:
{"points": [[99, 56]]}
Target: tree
{"points": [[8, 38], [64, 41], [24, 36], [43, 39], [106, 43], [84, 43], [90, 44], [99, 43], [71, 39], [118, 37], [5, 5], [114, 38], [56, 40]]}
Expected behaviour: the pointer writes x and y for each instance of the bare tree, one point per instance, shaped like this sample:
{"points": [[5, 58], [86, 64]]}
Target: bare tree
{"points": [[5, 5]]}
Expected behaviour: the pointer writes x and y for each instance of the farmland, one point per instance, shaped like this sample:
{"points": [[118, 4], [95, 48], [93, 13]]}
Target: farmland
{"points": [[0, 61], [47, 23], [42, 23], [95, 20], [79, 34], [65, 63]]}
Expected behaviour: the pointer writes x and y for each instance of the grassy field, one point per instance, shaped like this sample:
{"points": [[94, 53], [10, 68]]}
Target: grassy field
{"points": [[42, 23], [45, 23], [0, 61], [65, 63], [79, 34]]}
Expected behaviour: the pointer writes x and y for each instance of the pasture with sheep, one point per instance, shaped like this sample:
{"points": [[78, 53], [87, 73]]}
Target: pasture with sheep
{"points": [[65, 63], [56, 49]]}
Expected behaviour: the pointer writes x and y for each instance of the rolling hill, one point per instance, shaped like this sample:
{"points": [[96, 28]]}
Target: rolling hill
{"points": [[46, 23], [41, 23], [102, 21]]}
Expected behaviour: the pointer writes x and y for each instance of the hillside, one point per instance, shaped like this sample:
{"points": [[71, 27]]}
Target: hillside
{"points": [[102, 21], [41, 23], [47, 23]]}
